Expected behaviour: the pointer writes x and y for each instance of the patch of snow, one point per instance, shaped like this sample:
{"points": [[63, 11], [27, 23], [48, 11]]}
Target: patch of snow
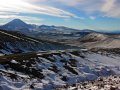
{"points": [[14, 61]]}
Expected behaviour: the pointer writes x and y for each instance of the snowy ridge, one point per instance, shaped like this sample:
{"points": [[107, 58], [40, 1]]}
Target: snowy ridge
{"points": [[20, 38], [43, 70], [11, 35]]}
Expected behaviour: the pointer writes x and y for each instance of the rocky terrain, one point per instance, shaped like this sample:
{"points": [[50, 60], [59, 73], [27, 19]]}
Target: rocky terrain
{"points": [[102, 83], [43, 70]]}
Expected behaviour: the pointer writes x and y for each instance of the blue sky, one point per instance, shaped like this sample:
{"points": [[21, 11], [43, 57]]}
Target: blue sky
{"points": [[80, 14]]}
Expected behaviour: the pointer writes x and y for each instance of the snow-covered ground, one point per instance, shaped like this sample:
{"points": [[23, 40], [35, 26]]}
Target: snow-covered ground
{"points": [[57, 68]]}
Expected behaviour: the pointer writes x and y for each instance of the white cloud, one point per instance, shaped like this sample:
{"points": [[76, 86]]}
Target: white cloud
{"points": [[108, 5], [20, 17], [107, 8], [70, 2], [24, 18], [111, 8], [104, 8], [19, 6]]}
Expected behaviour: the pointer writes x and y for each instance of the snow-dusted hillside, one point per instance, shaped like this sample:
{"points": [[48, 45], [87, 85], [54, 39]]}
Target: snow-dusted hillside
{"points": [[15, 42], [93, 37], [96, 40], [101, 41], [48, 70]]}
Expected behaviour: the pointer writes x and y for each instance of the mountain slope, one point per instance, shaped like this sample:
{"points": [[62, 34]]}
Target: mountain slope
{"points": [[17, 25], [97, 40], [93, 37], [15, 42], [45, 70]]}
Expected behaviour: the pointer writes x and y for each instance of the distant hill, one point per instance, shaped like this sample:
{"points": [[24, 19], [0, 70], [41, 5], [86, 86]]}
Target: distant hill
{"points": [[94, 40], [97, 40], [92, 37]]}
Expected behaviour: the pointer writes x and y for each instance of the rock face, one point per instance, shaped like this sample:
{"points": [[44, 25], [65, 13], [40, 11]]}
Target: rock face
{"points": [[43, 70], [15, 42]]}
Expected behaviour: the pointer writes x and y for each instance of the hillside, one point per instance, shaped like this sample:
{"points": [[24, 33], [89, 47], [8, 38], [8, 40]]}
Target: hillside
{"points": [[96, 40], [43, 70], [15, 42], [94, 37]]}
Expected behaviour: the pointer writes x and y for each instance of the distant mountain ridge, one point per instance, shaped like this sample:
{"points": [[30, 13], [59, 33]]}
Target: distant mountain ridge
{"points": [[19, 25]]}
